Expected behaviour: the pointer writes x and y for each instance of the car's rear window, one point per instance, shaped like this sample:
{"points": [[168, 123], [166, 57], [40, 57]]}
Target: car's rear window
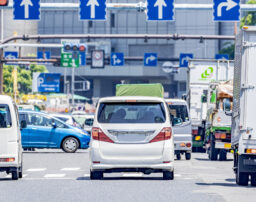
{"points": [[5, 116], [179, 111], [131, 113]]}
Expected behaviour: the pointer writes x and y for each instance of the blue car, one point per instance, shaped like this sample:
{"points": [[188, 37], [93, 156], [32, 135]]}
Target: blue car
{"points": [[45, 131]]}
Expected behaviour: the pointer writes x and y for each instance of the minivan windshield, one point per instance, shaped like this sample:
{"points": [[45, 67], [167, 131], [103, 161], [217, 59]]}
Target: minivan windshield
{"points": [[131, 113], [5, 116], [179, 111]]}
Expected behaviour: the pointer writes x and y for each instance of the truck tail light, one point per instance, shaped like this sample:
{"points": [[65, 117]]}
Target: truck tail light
{"points": [[165, 134], [194, 132], [251, 151], [188, 145], [220, 135], [7, 160], [98, 134]]}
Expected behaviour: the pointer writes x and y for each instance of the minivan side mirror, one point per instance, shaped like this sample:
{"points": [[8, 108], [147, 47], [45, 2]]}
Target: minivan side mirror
{"points": [[54, 125], [176, 121], [23, 124]]}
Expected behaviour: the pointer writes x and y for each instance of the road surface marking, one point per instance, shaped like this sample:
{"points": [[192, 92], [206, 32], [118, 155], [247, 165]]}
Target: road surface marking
{"points": [[54, 175], [70, 169], [177, 175], [36, 169], [86, 175], [132, 174]]}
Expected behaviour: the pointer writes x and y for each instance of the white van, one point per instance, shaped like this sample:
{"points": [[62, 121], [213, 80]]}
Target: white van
{"points": [[10, 138], [182, 128], [132, 134]]}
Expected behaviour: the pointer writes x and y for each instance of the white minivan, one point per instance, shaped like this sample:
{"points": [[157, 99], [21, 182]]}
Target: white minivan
{"points": [[132, 134], [10, 138]]}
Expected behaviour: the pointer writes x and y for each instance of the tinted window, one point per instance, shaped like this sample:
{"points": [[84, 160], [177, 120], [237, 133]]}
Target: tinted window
{"points": [[5, 117], [38, 120], [179, 111], [62, 118], [131, 113]]}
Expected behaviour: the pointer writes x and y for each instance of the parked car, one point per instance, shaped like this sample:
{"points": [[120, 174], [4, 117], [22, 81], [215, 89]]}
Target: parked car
{"points": [[46, 131], [10, 144], [69, 119], [132, 134]]}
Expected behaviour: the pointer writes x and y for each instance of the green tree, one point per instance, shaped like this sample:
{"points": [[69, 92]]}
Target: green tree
{"points": [[228, 49], [250, 17]]}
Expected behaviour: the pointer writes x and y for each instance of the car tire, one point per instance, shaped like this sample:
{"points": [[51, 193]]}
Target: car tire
{"points": [[242, 178], [96, 175], [213, 153], [70, 145], [188, 156], [168, 175], [223, 155], [253, 180], [178, 156], [15, 175]]}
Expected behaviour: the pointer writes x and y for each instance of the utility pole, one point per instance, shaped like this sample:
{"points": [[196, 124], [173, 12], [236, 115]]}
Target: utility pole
{"points": [[1, 72], [73, 85]]}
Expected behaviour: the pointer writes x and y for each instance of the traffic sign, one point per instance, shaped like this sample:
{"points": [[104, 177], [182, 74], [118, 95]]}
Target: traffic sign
{"points": [[222, 57], [26, 9], [92, 9], [43, 55], [184, 57], [150, 59], [82, 58], [11, 55], [117, 59], [160, 10], [98, 57], [48, 82], [226, 10], [68, 61]]}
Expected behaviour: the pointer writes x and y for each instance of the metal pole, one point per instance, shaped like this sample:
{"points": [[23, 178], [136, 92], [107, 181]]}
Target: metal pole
{"points": [[2, 25], [65, 79], [73, 86], [1, 73]]}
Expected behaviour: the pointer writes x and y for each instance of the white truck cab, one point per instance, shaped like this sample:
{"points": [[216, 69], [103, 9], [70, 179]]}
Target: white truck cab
{"points": [[182, 128], [10, 138]]}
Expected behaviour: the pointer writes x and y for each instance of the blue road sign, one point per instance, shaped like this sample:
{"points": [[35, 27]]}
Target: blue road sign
{"points": [[47, 82], [184, 57], [92, 9], [160, 10], [26, 9], [150, 59], [117, 59], [82, 58], [226, 10], [11, 55], [222, 57], [43, 55]]}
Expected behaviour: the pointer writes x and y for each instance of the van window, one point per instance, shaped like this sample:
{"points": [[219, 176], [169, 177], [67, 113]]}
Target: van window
{"points": [[179, 111], [131, 113], [5, 116]]}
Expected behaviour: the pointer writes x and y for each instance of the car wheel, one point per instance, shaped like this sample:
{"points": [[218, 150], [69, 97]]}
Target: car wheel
{"points": [[223, 155], [253, 180], [242, 178], [70, 144], [96, 175], [15, 175], [188, 156], [168, 175], [178, 156]]}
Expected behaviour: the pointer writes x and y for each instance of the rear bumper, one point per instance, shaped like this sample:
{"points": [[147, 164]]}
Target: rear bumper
{"points": [[247, 163], [223, 145], [197, 143], [178, 146]]}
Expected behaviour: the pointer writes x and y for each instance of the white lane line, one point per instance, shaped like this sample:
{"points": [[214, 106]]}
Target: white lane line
{"points": [[177, 175], [70, 169], [86, 175], [24, 175], [36, 169], [188, 178], [132, 174], [54, 175]]}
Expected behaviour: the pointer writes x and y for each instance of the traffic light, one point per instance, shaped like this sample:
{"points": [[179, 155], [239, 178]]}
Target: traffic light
{"points": [[74, 47], [3, 2], [82, 48], [67, 47]]}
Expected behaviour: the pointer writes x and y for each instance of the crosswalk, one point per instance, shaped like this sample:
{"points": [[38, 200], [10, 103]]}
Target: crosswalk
{"points": [[74, 173]]}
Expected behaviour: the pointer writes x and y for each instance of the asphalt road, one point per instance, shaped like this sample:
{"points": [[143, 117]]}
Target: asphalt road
{"points": [[51, 175]]}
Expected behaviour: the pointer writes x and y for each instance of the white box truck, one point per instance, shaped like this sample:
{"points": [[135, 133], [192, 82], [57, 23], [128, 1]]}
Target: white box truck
{"points": [[202, 72], [10, 138], [243, 134]]}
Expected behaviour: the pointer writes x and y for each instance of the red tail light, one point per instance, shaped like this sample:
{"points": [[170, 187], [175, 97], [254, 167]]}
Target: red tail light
{"points": [[188, 145], [98, 134], [165, 134]]}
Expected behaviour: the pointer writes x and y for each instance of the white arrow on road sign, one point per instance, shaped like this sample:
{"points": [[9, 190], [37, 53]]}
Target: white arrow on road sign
{"points": [[183, 60], [10, 57], [150, 58], [229, 5], [160, 4], [92, 3], [26, 4], [115, 60]]}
